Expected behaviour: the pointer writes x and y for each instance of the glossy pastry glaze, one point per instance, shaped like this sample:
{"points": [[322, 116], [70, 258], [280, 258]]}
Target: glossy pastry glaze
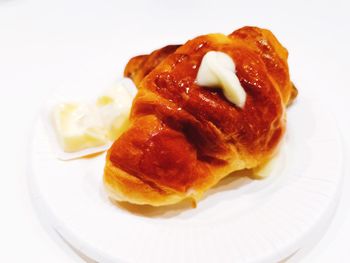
{"points": [[138, 67], [184, 138]]}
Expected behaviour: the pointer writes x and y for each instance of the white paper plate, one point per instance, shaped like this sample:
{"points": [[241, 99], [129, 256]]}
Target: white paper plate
{"points": [[240, 220]]}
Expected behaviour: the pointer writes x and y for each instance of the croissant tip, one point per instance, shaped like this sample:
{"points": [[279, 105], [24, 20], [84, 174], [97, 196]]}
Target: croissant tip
{"points": [[194, 203], [293, 94]]}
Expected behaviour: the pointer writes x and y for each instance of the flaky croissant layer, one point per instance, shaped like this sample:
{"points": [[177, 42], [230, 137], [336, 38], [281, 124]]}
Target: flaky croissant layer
{"points": [[182, 138]]}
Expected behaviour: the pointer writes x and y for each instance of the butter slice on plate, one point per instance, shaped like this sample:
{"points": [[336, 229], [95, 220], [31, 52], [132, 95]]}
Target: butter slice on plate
{"points": [[83, 128]]}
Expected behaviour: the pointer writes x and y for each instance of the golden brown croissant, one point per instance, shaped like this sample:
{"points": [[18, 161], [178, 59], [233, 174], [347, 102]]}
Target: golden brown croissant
{"points": [[183, 138]]}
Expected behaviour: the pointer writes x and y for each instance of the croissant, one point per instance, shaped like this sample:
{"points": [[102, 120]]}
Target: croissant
{"points": [[182, 139]]}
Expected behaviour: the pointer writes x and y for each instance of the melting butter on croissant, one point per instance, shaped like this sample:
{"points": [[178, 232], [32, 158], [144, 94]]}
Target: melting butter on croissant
{"points": [[218, 70]]}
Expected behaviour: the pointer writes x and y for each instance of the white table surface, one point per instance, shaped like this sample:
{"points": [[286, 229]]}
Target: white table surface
{"points": [[45, 44]]}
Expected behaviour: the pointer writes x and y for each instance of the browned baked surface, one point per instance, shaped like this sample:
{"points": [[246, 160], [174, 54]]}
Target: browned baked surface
{"points": [[184, 138], [138, 67]]}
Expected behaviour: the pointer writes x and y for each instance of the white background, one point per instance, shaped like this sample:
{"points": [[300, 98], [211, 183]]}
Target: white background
{"points": [[45, 44]]}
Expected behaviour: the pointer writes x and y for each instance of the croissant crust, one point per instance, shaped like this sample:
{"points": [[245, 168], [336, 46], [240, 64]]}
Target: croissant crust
{"points": [[183, 138]]}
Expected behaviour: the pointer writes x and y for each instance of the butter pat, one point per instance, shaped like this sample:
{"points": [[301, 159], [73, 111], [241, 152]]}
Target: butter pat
{"points": [[218, 70], [78, 127], [87, 125]]}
